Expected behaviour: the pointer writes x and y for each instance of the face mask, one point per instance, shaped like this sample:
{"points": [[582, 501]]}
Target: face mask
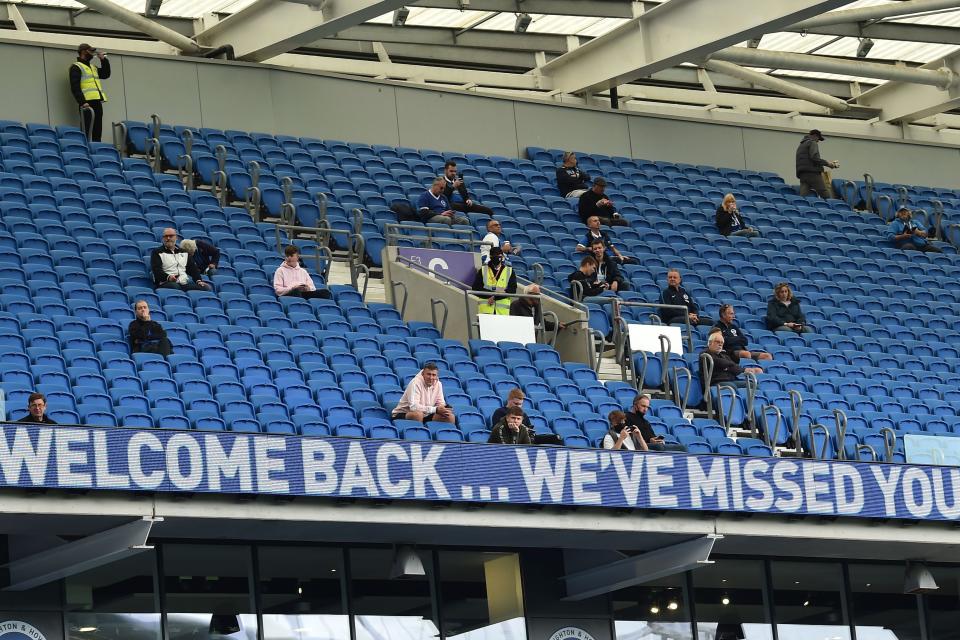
{"points": [[495, 261]]}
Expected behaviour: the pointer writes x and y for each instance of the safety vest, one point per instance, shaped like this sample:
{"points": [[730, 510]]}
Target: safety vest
{"points": [[90, 82], [500, 306]]}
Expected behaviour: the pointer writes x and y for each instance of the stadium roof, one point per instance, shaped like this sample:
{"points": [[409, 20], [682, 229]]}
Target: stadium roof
{"points": [[776, 56]]}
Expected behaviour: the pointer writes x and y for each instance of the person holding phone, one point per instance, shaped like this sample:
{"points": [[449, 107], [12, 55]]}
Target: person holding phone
{"points": [[637, 418], [621, 435], [87, 90], [455, 189]]}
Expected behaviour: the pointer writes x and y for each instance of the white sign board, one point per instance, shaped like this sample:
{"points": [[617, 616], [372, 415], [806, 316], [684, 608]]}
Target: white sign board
{"points": [[507, 328], [646, 337]]}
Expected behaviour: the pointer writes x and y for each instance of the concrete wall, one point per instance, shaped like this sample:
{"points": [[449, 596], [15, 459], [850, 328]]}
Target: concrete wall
{"points": [[273, 100]]}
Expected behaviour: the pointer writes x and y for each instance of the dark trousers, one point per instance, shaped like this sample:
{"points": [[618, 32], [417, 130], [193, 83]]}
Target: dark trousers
{"points": [[319, 293], [161, 346], [474, 207], [613, 222], [92, 120], [813, 182], [190, 286]]}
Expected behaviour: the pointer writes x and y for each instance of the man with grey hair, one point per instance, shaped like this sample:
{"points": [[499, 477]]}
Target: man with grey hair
{"points": [[433, 206], [172, 267], [203, 254], [146, 335]]}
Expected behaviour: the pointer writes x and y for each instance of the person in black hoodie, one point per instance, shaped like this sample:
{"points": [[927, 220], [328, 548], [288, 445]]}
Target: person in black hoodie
{"points": [[783, 311], [585, 276], [510, 430], [676, 295], [572, 181], [810, 165], [730, 221], [145, 335], [594, 203], [455, 183]]}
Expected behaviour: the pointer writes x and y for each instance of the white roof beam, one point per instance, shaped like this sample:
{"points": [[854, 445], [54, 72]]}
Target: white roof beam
{"points": [[268, 28], [585, 8], [889, 10], [777, 84], [674, 32], [479, 38], [903, 102], [902, 31]]}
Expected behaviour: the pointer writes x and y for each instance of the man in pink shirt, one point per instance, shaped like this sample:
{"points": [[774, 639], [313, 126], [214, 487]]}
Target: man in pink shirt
{"points": [[291, 279], [423, 399]]}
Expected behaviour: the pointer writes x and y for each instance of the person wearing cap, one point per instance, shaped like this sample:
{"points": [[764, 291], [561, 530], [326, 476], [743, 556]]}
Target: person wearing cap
{"points": [[907, 234], [572, 181], [495, 276], [810, 165], [88, 91], [594, 203]]}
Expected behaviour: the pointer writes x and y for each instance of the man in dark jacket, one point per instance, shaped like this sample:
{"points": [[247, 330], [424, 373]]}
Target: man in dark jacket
{"points": [[637, 417], [572, 181], [204, 255], [810, 165], [87, 91], [455, 183], [725, 370], [514, 399], [530, 307], [510, 429], [593, 202], [146, 335], [36, 410], [674, 294], [607, 270], [172, 267], [735, 340], [585, 276]]}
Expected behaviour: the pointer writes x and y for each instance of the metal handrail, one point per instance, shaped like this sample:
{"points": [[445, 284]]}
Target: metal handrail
{"points": [[751, 379], [393, 295], [726, 418], [442, 326], [538, 273], [796, 409], [889, 442], [868, 191], [772, 435], [657, 305], [844, 191], [813, 429], [904, 196], [893, 208], [676, 387], [706, 372], [555, 319], [665, 350], [429, 235], [155, 125], [119, 136], [869, 449], [185, 170], [841, 419]]}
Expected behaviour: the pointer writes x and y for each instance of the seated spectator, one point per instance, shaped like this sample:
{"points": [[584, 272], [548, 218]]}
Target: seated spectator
{"points": [[594, 203], [494, 238], [515, 398], [510, 429], [593, 233], [37, 410], [423, 400], [637, 418], [495, 276], [725, 370], [204, 255], [433, 206], [572, 181], [590, 289], [907, 234], [172, 267], [783, 311], [145, 335], [607, 271], [529, 307], [730, 221], [621, 435], [735, 340], [455, 186], [676, 295], [291, 279]]}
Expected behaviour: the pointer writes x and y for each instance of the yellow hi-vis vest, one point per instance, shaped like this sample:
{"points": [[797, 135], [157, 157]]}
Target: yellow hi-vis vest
{"points": [[90, 82], [501, 306]]}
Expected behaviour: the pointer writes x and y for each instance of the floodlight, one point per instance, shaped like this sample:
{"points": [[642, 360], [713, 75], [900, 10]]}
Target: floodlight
{"points": [[152, 8], [865, 45], [523, 22], [400, 16]]}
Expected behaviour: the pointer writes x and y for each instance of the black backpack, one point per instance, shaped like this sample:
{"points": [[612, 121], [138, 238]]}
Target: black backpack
{"points": [[405, 211]]}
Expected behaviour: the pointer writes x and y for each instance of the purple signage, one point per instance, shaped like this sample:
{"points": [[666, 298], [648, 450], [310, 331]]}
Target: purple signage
{"points": [[456, 265]]}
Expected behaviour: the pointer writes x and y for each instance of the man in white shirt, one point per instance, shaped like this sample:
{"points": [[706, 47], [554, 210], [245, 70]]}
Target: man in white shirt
{"points": [[493, 239]]}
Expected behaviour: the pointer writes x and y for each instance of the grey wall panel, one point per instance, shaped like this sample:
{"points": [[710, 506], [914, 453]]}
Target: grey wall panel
{"points": [[450, 122], [24, 97], [305, 105], [61, 103], [581, 130], [774, 151], [684, 141], [168, 88], [236, 98]]}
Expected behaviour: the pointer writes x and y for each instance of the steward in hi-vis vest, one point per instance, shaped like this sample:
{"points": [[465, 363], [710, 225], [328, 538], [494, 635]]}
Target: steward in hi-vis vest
{"points": [[87, 89], [495, 276]]}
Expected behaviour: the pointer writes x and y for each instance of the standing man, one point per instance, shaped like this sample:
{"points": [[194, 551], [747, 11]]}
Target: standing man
{"points": [[810, 165], [455, 186], [87, 90], [495, 276]]}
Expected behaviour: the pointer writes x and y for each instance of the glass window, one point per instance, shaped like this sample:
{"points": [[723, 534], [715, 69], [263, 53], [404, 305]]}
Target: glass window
{"points": [[654, 609], [481, 595], [117, 600], [729, 600], [880, 608], [943, 605], [208, 592], [807, 601], [301, 592], [391, 607]]}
